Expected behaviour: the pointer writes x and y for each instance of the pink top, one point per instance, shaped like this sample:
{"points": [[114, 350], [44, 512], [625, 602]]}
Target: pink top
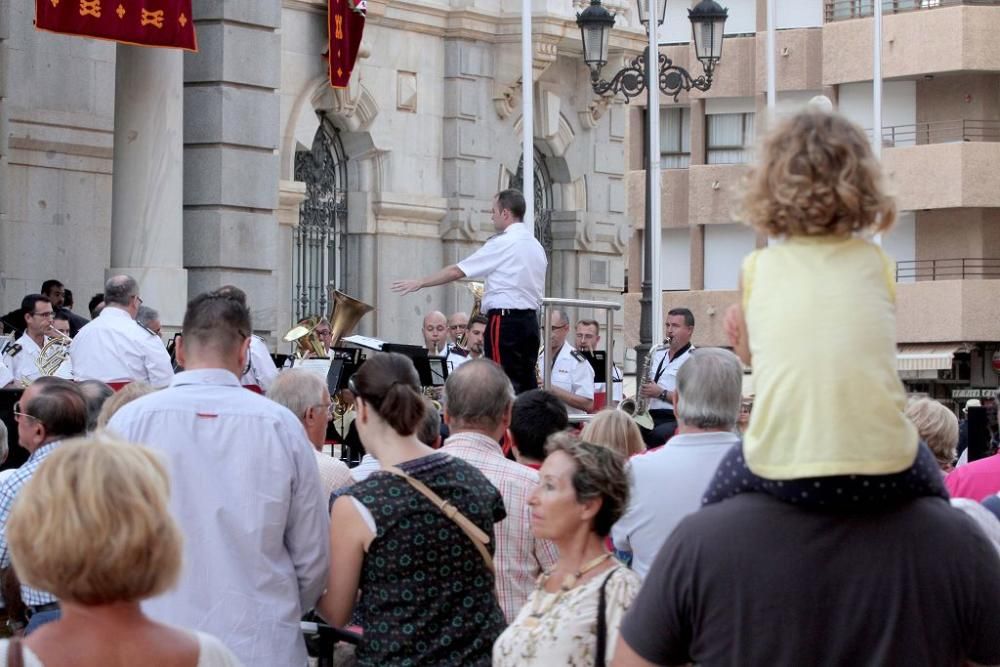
{"points": [[976, 480]]}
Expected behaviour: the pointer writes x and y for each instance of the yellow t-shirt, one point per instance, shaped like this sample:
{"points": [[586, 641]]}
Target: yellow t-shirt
{"points": [[821, 322]]}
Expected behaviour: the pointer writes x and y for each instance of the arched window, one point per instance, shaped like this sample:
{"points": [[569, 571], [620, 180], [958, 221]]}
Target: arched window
{"points": [[543, 199], [319, 246]]}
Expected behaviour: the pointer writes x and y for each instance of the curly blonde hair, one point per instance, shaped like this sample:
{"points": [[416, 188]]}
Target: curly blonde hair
{"points": [[817, 176]]}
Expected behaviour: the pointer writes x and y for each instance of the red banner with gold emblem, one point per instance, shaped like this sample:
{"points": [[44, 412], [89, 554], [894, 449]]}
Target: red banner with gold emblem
{"points": [[346, 22], [165, 23]]}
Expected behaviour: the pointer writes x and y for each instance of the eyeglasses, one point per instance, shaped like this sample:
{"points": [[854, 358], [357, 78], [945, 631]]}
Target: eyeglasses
{"points": [[47, 314], [138, 298], [320, 332], [455, 327], [328, 408], [557, 328], [18, 414]]}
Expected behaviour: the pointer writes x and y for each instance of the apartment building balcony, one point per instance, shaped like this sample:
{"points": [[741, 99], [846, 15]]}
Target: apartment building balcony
{"points": [[919, 38], [944, 164]]}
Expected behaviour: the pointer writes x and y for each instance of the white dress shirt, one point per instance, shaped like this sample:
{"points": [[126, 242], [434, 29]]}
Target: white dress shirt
{"points": [[22, 364], [513, 264], [572, 372], [666, 484], [116, 348], [6, 377], [246, 493], [262, 371], [664, 372]]}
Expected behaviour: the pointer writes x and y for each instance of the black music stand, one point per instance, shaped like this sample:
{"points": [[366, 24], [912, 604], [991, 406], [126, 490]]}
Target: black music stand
{"points": [[597, 360]]}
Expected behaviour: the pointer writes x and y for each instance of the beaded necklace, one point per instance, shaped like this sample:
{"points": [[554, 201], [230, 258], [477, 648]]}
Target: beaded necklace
{"points": [[538, 610]]}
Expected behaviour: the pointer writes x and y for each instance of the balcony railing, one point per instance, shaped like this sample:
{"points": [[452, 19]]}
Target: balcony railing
{"points": [[940, 132], [965, 268], [841, 10]]}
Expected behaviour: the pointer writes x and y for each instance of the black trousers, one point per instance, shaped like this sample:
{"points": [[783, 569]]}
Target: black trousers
{"points": [[512, 340], [664, 425]]}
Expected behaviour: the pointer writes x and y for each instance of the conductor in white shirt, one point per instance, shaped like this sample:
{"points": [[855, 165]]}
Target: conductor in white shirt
{"points": [[513, 264], [245, 491], [116, 349]]}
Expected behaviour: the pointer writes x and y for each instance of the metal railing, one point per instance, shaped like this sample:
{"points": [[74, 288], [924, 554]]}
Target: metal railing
{"points": [[940, 132], [963, 268], [842, 10], [609, 326]]}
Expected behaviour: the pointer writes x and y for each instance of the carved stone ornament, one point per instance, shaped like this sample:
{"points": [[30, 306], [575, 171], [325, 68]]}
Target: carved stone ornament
{"points": [[591, 116]]}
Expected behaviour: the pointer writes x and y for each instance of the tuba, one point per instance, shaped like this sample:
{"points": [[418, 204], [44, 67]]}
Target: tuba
{"points": [[637, 407], [477, 290], [308, 343], [345, 314]]}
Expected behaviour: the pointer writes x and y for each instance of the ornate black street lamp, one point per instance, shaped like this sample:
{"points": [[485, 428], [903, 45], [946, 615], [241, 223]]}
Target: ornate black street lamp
{"points": [[708, 20]]}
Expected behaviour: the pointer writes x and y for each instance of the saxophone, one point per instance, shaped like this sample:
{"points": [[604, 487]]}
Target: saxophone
{"points": [[637, 407]]}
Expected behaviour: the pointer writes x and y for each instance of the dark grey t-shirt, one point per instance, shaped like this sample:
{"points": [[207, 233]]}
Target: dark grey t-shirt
{"points": [[755, 581]]}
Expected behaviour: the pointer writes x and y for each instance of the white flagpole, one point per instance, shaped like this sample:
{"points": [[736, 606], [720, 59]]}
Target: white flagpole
{"points": [[527, 115], [772, 95], [877, 87], [653, 172]]}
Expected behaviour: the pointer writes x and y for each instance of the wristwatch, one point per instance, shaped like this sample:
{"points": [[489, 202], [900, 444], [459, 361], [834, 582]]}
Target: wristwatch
{"points": [[664, 396]]}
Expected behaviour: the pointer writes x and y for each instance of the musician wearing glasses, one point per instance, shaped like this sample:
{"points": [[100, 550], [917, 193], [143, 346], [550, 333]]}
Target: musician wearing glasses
{"points": [[513, 264], [572, 374], [116, 349], [38, 314], [458, 323]]}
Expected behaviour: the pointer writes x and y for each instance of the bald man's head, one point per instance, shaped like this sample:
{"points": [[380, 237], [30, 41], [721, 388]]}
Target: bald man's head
{"points": [[435, 331]]}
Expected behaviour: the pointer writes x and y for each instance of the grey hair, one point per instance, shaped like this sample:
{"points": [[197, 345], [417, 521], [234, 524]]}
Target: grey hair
{"points": [[562, 314], [709, 389], [4, 446], [478, 394], [145, 315], [120, 289], [297, 390]]}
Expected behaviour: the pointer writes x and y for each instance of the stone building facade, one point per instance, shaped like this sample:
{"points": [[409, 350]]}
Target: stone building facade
{"points": [[261, 174]]}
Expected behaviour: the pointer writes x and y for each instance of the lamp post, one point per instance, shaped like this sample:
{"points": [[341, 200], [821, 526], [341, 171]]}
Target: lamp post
{"points": [[708, 20]]}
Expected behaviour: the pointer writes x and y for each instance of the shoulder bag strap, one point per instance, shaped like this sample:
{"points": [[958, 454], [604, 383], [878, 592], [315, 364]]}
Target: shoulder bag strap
{"points": [[474, 533], [15, 653], [602, 624]]}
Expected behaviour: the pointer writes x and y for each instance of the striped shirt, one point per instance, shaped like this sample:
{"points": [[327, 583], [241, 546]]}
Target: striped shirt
{"points": [[9, 489], [520, 557]]}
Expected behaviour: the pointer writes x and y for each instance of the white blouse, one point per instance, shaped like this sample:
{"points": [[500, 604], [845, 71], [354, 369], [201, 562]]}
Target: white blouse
{"points": [[566, 633]]}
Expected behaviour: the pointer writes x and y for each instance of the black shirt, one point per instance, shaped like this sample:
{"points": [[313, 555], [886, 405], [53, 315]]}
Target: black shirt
{"points": [[756, 581]]}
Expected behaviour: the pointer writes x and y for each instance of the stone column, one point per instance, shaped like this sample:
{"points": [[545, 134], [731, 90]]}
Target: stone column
{"points": [[231, 168], [147, 223]]}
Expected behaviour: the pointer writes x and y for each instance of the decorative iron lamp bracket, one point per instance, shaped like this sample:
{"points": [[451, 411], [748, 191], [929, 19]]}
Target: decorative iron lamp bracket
{"points": [[631, 80]]}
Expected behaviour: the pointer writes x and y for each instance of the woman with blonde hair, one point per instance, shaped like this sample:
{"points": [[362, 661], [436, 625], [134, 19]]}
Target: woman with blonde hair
{"points": [[93, 528], [614, 429], [937, 427]]}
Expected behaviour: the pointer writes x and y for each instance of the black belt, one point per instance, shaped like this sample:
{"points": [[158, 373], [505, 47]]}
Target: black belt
{"points": [[662, 412], [37, 609], [510, 311]]}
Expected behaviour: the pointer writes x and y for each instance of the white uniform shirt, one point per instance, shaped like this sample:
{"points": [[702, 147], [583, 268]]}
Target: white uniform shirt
{"points": [[513, 264], [245, 491], [454, 360], [116, 348], [22, 364], [262, 371], [617, 385], [570, 372], [664, 372], [6, 377]]}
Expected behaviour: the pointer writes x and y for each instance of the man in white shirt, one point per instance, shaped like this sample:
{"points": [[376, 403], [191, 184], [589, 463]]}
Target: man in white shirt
{"points": [[663, 369], [308, 398], [572, 375], [588, 335], [513, 264], [38, 314], [667, 483], [260, 372], [473, 349], [435, 333], [244, 490], [114, 348]]}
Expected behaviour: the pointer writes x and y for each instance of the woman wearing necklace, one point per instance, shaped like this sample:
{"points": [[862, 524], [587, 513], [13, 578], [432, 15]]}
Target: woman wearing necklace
{"points": [[572, 617]]}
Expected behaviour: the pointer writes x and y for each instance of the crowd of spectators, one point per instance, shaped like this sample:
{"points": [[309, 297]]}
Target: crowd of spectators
{"points": [[168, 515]]}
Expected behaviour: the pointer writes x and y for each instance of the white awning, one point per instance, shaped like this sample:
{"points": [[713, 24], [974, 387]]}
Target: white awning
{"points": [[928, 357]]}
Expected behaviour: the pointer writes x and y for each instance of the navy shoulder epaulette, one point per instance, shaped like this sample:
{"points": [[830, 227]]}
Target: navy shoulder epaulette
{"points": [[145, 328], [576, 355]]}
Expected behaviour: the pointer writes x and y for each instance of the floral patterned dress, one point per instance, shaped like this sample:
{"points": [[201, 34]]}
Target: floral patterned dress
{"points": [[566, 633]]}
